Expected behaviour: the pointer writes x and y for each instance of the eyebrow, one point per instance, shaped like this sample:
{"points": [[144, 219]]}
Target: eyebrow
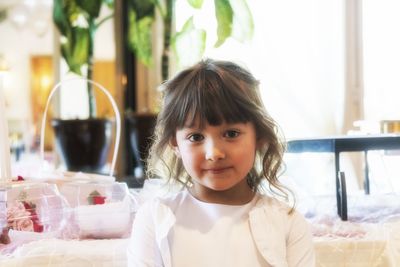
{"points": [[226, 124], [192, 129]]}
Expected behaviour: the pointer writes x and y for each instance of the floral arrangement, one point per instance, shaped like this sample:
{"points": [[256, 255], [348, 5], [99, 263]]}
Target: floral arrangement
{"points": [[22, 215]]}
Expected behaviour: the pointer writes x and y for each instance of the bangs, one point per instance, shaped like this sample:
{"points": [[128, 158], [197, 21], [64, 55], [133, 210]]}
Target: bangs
{"points": [[210, 98]]}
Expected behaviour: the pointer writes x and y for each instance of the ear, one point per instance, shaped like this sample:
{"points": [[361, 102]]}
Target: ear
{"points": [[174, 145]]}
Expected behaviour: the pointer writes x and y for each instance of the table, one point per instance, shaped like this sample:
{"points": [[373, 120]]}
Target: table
{"points": [[347, 143]]}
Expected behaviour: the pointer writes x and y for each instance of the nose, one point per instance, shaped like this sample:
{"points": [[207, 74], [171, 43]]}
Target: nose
{"points": [[214, 151]]}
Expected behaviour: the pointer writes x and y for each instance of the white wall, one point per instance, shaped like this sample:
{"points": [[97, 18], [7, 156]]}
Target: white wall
{"points": [[17, 46], [104, 48]]}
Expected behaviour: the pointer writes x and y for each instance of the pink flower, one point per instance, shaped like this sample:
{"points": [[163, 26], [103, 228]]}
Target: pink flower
{"points": [[24, 225], [18, 218]]}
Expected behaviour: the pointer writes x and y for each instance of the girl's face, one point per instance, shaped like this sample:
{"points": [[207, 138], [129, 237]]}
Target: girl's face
{"points": [[218, 159]]}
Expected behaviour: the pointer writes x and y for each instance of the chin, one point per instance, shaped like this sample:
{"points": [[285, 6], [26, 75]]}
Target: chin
{"points": [[220, 187]]}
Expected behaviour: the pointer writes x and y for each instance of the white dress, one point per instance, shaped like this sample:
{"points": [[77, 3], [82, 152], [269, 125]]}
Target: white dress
{"points": [[223, 237], [282, 239]]}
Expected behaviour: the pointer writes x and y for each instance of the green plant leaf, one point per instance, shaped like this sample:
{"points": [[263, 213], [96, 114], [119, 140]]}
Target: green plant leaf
{"points": [[74, 40], [195, 3], [60, 17], [189, 44], [139, 37], [72, 11], [243, 25], [141, 19], [92, 7], [109, 3], [75, 49], [81, 47], [143, 8], [224, 15]]}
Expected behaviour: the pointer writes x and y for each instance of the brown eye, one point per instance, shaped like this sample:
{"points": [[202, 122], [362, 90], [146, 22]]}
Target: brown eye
{"points": [[232, 134], [196, 138]]}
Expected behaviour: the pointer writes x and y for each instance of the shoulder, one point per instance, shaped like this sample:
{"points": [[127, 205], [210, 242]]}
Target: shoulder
{"points": [[279, 211], [162, 206], [290, 230], [267, 202], [281, 236], [174, 200], [156, 217]]}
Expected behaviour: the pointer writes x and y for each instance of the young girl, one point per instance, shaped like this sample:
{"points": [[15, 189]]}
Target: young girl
{"points": [[214, 137]]}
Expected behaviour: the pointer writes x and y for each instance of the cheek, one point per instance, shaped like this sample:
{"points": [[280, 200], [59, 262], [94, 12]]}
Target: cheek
{"points": [[190, 157], [247, 156]]}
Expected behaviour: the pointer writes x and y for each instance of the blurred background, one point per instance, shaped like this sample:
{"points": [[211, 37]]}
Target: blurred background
{"points": [[326, 68]]}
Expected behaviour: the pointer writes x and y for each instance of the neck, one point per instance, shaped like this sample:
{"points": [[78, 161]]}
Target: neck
{"points": [[237, 195]]}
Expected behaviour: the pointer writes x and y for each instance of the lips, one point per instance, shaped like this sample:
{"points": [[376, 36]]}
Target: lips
{"points": [[216, 170]]}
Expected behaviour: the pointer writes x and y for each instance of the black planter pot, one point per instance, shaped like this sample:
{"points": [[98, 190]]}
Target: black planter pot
{"points": [[83, 144], [140, 129]]}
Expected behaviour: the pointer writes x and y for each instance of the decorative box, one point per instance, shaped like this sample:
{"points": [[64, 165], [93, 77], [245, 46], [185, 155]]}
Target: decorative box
{"points": [[100, 209], [30, 211]]}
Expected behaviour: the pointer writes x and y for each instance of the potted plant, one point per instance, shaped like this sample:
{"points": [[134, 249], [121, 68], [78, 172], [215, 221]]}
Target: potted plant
{"points": [[84, 144]]}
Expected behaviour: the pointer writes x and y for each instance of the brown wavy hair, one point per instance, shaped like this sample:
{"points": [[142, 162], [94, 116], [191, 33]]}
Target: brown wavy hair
{"points": [[215, 92]]}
